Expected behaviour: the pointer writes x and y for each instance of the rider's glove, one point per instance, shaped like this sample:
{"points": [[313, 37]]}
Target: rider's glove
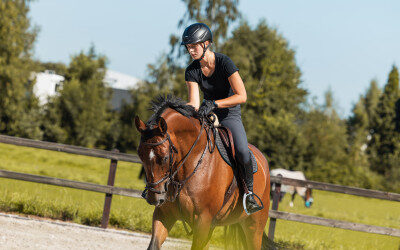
{"points": [[206, 107]]}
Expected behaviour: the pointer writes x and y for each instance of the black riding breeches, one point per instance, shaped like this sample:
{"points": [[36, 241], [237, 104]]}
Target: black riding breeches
{"points": [[234, 123]]}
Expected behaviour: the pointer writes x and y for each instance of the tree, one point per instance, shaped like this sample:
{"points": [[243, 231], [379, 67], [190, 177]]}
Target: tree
{"points": [[19, 108], [358, 129], [161, 80], [385, 139], [80, 113], [59, 68], [272, 79], [360, 125], [326, 156], [371, 101]]}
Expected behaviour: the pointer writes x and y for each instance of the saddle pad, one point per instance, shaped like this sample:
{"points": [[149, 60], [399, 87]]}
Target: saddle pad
{"points": [[228, 158]]}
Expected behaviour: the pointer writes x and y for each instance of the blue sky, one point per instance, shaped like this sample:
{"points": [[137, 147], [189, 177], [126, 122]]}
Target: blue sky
{"points": [[341, 45]]}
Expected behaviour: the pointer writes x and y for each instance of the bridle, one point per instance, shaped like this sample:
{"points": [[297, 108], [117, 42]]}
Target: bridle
{"points": [[172, 151], [169, 177]]}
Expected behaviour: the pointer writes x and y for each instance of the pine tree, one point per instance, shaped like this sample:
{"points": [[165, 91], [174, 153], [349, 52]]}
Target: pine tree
{"points": [[360, 131], [19, 108], [325, 134], [371, 101], [360, 125], [385, 140]]}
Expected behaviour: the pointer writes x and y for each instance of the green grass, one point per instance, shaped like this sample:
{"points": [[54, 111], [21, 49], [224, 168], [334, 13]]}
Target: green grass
{"points": [[340, 207], [135, 214]]}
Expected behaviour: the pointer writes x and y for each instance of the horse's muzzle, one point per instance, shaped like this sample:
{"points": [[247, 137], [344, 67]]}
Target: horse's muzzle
{"points": [[154, 198]]}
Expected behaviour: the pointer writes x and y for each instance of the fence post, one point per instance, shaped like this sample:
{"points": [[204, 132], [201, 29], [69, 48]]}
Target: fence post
{"points": [[275, 203], [107, 202]]}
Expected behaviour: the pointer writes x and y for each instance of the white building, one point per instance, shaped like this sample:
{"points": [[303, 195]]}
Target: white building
{"points": [[118, 80], [46, 85], [120, 84], [48, 82]]}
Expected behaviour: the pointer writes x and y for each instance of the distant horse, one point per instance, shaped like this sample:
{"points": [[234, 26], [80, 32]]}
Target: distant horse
{"points": [[188, 181], [305, 193]]}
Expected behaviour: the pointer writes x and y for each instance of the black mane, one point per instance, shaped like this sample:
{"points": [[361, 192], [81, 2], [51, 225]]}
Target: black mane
{"points": [[161, 103]]}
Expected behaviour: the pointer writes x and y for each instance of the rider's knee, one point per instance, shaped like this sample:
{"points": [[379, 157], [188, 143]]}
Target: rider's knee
{"points": [[243, 156]]}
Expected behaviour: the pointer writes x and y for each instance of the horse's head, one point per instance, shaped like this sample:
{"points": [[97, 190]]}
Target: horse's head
{"points": [[308, 199], [156, 152]]}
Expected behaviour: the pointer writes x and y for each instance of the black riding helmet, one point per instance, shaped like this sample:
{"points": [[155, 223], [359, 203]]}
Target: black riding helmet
{"points": [[197, 33]]}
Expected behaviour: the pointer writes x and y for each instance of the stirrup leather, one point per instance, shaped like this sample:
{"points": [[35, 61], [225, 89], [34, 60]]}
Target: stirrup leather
{"points": [[244, 202]]}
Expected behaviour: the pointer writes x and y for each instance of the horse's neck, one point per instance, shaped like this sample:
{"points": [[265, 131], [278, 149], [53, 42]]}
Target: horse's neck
{"points": [[184, 132]]}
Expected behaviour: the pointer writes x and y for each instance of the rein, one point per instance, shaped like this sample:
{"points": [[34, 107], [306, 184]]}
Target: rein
{"points": [[178, 185]]}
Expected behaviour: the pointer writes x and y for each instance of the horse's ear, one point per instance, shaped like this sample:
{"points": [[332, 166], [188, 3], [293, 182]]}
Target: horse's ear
{"points": [[162, 125], [140, 126]]}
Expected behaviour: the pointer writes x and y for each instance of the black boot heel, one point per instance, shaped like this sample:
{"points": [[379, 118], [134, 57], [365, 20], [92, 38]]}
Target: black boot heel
{"points": [[250, 204]]}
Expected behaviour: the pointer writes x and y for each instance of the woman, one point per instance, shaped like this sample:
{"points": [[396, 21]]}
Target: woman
{"points": [[218, 77]]}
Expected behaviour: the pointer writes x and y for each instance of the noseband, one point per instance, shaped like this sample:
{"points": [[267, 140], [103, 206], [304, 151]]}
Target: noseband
{"points": [[169, 176]]}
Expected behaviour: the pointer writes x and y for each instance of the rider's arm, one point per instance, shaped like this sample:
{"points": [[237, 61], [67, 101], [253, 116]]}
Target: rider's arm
{"points": [[194, 94], [239, 91]]}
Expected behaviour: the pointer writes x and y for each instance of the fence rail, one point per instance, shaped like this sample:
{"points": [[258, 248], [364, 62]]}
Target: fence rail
{"points": [[69, 149], [109, 190], [71, 184], [338, 188], [334, 223]]}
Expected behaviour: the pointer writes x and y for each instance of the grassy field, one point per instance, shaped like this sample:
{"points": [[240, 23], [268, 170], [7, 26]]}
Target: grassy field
{"points": [[135, 214]]}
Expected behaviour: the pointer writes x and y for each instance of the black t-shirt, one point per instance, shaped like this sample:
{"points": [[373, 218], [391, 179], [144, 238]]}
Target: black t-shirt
{"points": [[216, 86]]}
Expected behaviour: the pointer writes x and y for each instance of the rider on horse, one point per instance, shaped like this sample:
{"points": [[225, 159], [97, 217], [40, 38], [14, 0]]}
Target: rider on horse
{"points": [[224, 91]]}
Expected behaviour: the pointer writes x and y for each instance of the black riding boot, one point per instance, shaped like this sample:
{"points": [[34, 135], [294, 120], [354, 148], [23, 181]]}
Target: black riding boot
{"points": [[251, 203]]}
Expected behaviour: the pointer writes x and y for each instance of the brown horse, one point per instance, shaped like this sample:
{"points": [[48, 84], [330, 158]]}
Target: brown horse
{"points": [[188, 181]]}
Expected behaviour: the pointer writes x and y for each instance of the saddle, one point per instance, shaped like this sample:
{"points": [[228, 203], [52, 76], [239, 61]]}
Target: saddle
{"points": [[226, 147]]}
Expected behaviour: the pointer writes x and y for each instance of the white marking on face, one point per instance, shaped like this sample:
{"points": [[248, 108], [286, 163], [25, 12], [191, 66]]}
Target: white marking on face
{"points": [[151, 155]]}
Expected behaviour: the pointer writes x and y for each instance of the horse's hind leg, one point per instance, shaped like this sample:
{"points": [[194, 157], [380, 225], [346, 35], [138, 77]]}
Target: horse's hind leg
{"points": [[253, 227], [291, 202], [162, 223], [202, 232]]}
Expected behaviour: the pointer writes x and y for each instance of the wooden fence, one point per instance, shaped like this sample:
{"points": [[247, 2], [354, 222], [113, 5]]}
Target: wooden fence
{"points": [[110, 190], [275, 214]]}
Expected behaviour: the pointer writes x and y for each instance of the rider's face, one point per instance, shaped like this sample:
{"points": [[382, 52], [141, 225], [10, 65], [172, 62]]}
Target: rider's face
{"points": [[195, 50]]}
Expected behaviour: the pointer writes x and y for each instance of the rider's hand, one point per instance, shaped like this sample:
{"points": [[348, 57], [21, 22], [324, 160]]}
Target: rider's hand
{"points": [[206, 107]]}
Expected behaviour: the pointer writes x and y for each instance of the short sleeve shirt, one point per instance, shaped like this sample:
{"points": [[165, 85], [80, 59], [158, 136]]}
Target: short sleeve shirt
{"points": [[216, 86]]}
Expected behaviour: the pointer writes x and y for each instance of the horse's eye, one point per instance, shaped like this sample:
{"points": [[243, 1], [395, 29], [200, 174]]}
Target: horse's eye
{"points": [[165, 159]]}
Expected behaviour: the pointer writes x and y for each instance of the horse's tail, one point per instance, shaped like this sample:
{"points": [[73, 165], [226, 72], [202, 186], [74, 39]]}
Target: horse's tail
{"points": [[234, 237], [268, 244]]}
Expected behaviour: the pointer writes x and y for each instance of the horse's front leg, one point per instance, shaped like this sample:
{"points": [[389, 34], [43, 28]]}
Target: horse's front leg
{"points": [[202, 231], [162, 223], [291, 202]]}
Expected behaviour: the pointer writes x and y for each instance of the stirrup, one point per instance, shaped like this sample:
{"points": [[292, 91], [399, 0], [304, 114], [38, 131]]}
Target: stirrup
{"points": [[244, 202]]}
